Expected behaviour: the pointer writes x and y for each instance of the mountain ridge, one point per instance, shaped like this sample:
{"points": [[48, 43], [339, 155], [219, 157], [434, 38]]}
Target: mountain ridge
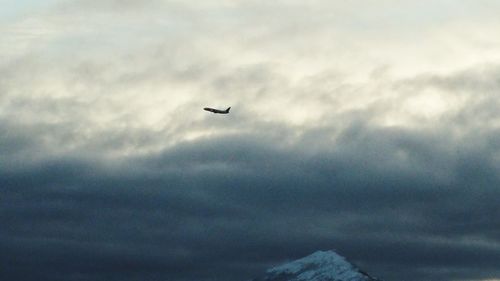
{"points": [[319, 266]]}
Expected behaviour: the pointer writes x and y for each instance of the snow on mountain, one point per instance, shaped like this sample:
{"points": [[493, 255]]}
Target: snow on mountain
{"points": [[320, 266]]}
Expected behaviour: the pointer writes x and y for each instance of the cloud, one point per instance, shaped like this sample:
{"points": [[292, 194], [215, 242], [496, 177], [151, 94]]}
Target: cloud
{"points": [[383, 150], [230, 206]]}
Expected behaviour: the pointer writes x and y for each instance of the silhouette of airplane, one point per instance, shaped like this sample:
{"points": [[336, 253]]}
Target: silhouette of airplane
{"points": [[213, 110]]}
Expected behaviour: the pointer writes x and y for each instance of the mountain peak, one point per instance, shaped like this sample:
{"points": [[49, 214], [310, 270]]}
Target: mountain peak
{"points": [[319, 266]]}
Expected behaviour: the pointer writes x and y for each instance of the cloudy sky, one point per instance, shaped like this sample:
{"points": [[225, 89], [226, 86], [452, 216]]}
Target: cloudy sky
{"points": [[368, 127]]}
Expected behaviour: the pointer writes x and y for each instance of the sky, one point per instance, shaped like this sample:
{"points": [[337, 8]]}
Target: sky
{"points": [[366, 127]]}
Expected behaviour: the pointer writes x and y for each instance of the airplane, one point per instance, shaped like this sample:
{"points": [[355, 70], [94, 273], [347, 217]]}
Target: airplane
{"points": [[213, 110]]}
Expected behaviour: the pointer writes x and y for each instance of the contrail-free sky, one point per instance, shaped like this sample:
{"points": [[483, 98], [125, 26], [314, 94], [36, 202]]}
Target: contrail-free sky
{"points": [[367, 127]]}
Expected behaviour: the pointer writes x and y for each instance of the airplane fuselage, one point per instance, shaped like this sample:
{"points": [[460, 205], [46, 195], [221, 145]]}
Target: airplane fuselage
{"points": [[218, 111]]}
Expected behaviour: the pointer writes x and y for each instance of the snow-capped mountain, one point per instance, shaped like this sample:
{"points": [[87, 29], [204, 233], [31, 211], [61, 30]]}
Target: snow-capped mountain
{"points": [[320, 266]]}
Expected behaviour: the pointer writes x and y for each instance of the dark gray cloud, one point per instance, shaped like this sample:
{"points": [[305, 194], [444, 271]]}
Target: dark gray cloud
{"points": [[404, 204]]}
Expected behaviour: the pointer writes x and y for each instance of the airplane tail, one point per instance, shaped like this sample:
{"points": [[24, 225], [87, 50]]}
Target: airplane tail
{"points": [[227, 110]]}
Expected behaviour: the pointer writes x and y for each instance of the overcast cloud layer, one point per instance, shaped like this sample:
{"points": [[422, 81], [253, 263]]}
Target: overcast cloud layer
{"points": [[368, 127]]}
